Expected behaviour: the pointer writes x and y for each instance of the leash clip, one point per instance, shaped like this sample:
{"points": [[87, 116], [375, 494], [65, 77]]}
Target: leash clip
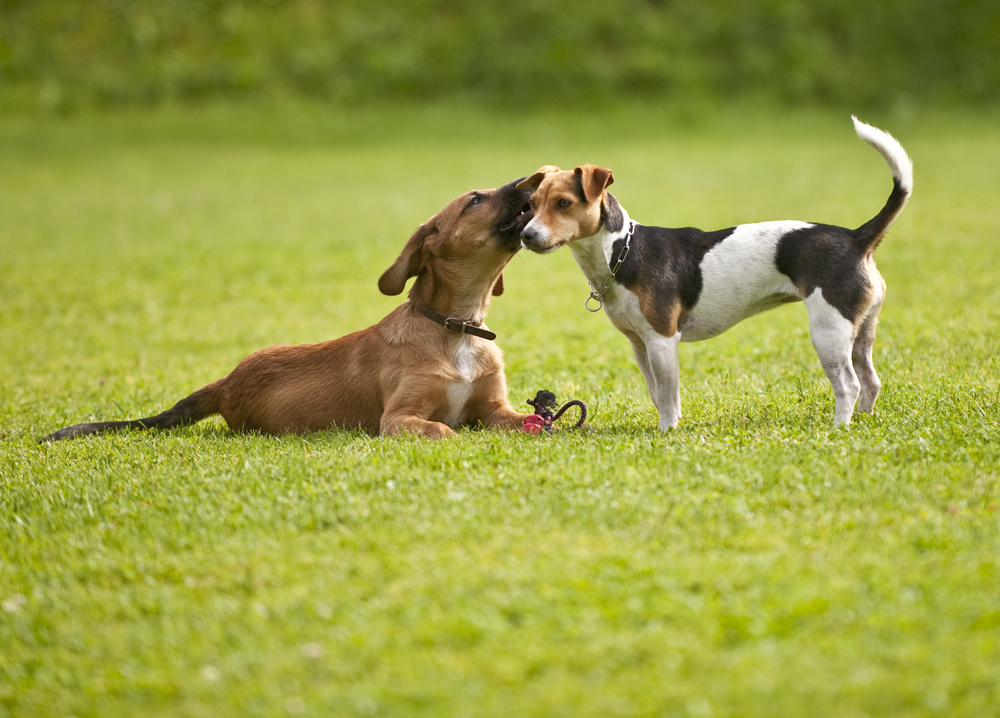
{"points": [[598, 296]]}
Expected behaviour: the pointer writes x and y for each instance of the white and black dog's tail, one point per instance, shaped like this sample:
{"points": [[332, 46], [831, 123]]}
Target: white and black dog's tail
{"points": [[871, 232]]}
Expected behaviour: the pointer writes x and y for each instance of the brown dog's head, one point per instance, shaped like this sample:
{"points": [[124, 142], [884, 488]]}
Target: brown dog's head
{"points": [[566, 203], [459, 254]]}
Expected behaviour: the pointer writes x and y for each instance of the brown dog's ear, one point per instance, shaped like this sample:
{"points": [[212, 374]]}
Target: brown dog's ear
{"points": [[498, 286], [594, 180], [410, 262], [536, 179]]}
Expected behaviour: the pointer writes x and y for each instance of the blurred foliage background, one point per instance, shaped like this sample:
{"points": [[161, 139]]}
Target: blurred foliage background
{"points": [[61, 55]]}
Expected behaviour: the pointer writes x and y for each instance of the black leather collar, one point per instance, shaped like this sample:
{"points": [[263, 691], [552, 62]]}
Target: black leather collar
{"points": [[456, 325]]}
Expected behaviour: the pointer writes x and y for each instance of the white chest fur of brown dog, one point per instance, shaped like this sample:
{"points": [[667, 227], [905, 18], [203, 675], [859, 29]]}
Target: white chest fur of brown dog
{"points": [[427, 368], [661, 286]]}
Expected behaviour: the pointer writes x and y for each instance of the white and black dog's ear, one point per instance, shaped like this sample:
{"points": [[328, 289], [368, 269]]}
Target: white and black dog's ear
{"points": [[535, 179], [594, 181]]}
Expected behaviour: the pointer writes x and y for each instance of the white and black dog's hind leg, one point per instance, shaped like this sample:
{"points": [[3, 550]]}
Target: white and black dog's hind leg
{"points": [[833, 337], [845, 352], [861, 357]]}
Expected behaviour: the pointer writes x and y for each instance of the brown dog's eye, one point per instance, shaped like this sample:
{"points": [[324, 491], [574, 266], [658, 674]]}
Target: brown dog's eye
{"points": [[563, 203]]}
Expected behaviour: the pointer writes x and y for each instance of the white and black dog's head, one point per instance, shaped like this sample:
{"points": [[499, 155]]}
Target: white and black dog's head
{"points": [[567, 205]]}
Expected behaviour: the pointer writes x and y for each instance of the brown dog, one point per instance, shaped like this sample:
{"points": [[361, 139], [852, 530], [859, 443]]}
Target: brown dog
{"points": [[427, 368]]}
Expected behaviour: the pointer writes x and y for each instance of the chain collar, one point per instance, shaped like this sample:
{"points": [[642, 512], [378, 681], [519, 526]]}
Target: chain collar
{"points": [[598, 296]]}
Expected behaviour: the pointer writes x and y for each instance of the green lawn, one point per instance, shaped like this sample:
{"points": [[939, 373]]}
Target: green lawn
{"points": [[752, 562]]}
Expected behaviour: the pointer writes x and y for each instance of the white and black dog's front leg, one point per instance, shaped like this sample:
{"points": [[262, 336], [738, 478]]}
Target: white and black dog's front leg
{"points": [[639, 351], [663, 362], [657, 355]]}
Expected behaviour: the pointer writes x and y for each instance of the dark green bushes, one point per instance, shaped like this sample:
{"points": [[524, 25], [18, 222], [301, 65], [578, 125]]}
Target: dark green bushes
{"points": [[63, 53]]}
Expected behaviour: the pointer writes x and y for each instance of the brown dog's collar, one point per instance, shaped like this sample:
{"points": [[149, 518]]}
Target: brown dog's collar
{"points": [[456, 325]]}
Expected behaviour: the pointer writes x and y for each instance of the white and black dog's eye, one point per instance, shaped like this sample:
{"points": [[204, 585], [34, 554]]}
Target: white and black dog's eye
{"points": [[563, 203]]}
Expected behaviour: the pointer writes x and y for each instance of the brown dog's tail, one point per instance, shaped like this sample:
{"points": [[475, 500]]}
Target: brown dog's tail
{"points": [[868, 235], [203, 403]]}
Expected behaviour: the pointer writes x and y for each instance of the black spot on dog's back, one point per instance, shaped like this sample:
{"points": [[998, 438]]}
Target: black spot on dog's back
{"points": [[825, 256], [667, 261]]}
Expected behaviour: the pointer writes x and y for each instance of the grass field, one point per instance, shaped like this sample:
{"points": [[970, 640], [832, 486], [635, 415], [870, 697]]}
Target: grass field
{"points": [[752, 562]]}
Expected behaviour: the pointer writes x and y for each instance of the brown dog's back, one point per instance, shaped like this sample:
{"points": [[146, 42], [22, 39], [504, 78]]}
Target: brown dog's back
{"points": [[281, 389], [307, 387]]}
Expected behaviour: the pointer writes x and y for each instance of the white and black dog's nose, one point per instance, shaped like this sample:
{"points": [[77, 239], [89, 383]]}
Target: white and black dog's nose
{"points": [[529, 236]]}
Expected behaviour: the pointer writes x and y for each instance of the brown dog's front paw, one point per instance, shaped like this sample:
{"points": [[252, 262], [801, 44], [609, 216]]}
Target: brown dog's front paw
{"points": [[418, 426], [436, 430]]}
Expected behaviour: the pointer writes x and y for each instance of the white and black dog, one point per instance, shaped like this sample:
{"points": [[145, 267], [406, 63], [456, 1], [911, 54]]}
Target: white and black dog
{"points": [[662, 286]]}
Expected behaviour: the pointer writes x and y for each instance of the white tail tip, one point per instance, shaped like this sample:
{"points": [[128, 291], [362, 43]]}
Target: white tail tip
{"points": [[893, 152]]}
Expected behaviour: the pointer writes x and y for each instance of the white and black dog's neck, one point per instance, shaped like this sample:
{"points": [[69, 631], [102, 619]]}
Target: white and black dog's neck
{"points": [[662, 264], [597, 254]]}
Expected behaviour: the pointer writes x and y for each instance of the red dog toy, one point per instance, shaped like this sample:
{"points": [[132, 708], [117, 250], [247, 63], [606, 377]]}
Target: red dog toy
{"points": [[545, 413]]}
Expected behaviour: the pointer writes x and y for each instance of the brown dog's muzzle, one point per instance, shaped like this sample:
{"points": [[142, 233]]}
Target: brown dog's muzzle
{"points": [[515, 215]]}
